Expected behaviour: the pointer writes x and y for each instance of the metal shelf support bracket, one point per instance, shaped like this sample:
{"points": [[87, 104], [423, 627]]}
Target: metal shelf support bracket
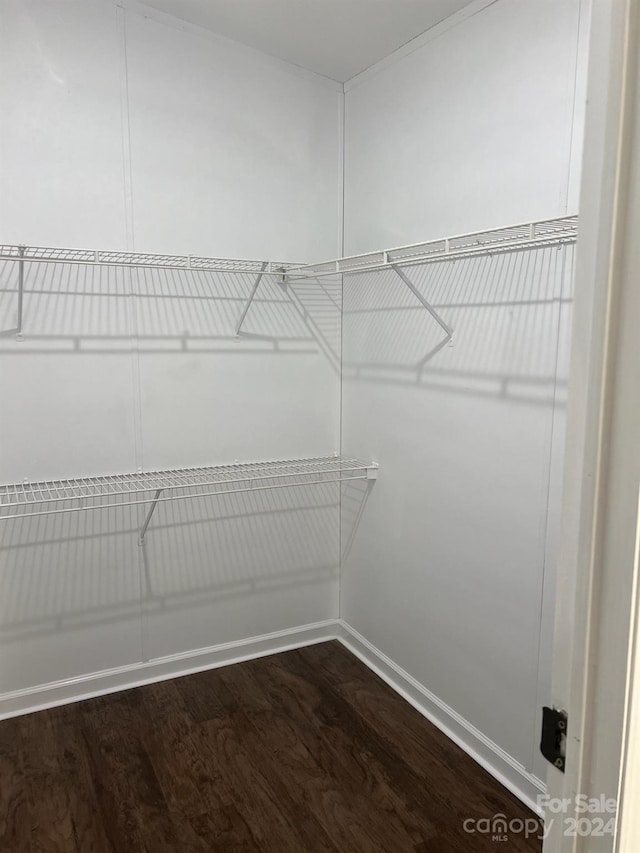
{"points": [[444, 326], [254, 290], [149, 514]]}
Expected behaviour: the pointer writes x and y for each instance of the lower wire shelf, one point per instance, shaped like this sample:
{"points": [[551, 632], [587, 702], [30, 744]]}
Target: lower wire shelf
{"points": [[51, 497]]}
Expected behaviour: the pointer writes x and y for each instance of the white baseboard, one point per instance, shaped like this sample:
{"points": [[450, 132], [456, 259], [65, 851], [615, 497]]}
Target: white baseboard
{"points": [[160, 669], [488, 754], [498, 763]]}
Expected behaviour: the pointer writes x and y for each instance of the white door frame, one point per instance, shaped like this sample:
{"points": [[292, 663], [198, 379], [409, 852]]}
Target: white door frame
{"points": [[597, 568]]}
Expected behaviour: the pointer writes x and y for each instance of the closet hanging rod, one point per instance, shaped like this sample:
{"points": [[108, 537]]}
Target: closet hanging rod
{"points": [[529, 235], [41, 254]]}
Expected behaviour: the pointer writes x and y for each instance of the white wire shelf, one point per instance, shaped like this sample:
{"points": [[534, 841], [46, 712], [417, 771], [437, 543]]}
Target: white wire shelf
{"points": [[50, 497], [528, 235], [546, 232], [44, 254], [23, 255]]}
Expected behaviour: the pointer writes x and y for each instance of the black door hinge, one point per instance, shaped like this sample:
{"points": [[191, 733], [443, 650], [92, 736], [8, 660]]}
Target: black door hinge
{"points": [[554, 736]]}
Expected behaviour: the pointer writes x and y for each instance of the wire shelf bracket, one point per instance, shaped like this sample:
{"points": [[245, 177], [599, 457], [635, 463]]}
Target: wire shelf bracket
{"points": [[19, 258], [254, 290], [143, 531], [403, 276], [53, 497]]}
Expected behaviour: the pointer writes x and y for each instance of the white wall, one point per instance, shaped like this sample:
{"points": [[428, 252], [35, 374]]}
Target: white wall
{"points": [[124, 129], [450, 567], [471, 131]]}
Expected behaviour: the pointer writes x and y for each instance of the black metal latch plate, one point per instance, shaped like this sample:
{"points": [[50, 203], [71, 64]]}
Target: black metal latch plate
{"points": [[554, 736]]}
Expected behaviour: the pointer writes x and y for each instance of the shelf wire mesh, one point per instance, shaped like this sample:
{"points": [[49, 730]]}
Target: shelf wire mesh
{"points": [[46, 254], [548, 232], [49, 497]]}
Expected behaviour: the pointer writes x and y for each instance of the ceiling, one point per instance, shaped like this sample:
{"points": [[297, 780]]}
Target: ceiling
{"points": [[336, 38]]}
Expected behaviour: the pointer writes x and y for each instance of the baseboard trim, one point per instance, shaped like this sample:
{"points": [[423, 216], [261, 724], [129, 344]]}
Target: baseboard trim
{"points": [[488, 754], [160, 669]]}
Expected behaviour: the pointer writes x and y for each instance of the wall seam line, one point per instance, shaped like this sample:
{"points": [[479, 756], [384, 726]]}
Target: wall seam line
{"points": [[129, 276], [341, 238]]}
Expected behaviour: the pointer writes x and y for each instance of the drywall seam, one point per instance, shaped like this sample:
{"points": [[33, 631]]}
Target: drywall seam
{"points": [[579, 95], [341, 238], [126, 131], [129, 219]]}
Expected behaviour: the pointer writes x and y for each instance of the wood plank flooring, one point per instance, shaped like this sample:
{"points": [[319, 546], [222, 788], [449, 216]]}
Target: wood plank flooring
{"points": [[302, 751]]}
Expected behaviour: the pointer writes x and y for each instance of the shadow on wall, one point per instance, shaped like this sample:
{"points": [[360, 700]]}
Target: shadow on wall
{"points": [[93, 309], [353, 500], [59, 572], [72, 407], [458, 547], [504, 310]]}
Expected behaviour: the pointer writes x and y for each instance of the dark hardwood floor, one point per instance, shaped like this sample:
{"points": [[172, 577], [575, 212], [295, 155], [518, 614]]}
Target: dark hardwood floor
{"points": [[302, 751]]}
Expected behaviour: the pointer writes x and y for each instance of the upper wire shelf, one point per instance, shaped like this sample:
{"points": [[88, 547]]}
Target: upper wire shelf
{"points": [[546, 232], [51, 497], [22, 255], [137, 259]]}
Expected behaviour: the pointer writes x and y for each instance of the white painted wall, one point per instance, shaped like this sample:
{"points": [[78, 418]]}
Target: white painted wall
{"points": [[125, 129], [472, 130], [450, 569]]}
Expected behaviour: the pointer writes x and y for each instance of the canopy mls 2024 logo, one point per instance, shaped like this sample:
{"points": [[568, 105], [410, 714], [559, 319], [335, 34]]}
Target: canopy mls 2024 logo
{"points": [[587, 817]]}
